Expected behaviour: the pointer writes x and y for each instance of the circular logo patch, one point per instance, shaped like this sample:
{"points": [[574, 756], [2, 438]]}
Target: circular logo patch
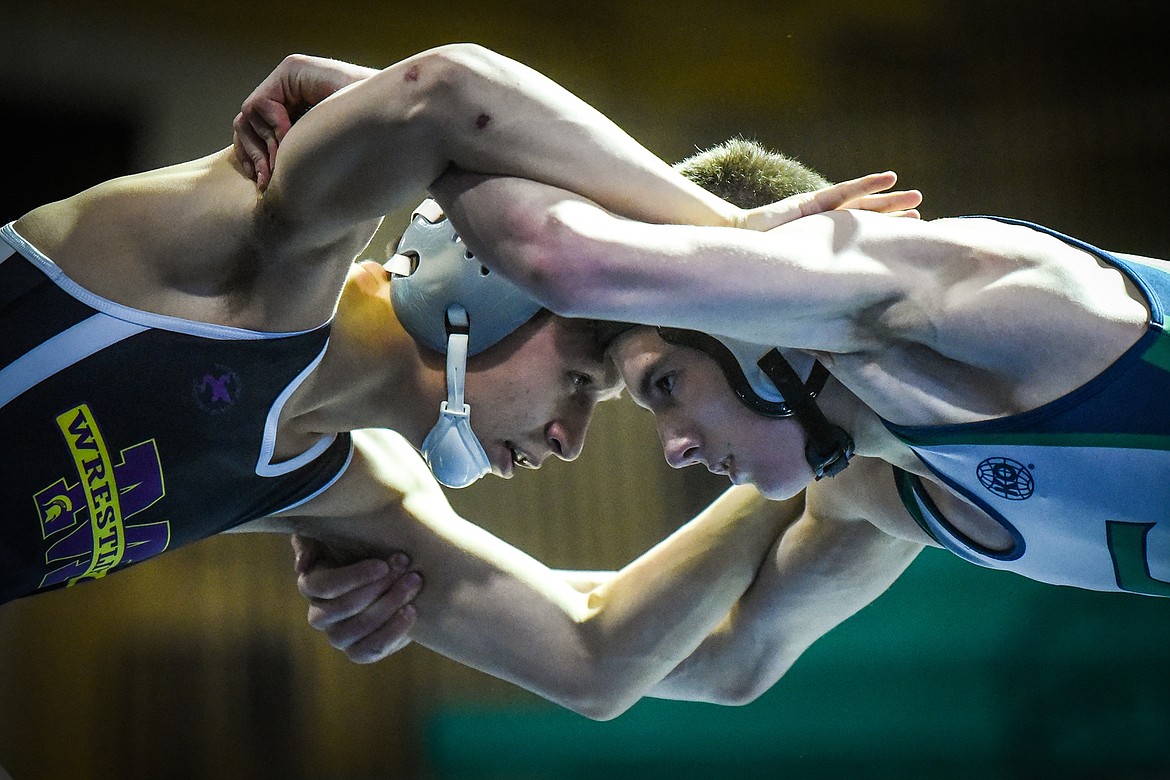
{"points": [[1006, 478]]}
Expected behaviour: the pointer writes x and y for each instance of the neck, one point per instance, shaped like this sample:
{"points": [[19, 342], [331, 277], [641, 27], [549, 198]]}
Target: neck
{"points": [[373, 374], [842, 408], [871, 438]]}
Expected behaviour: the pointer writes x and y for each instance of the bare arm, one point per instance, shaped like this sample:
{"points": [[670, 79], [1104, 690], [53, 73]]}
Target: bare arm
{"points": [[375, 145], [490, 606], [821, 571], [806, 283], [364, 608], [296, 85]]}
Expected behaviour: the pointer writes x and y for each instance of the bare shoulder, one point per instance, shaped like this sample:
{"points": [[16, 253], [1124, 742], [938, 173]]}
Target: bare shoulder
{"points": [[1010, 257], [134, 238], [998, 318], [188, 240]]}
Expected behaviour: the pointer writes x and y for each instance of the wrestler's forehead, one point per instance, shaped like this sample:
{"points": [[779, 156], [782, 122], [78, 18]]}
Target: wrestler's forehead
{"points": [[637, 355]]}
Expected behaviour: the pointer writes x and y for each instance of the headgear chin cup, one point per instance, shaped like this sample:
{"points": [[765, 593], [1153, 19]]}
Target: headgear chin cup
{"points": [[451, 449], [452, 304]]}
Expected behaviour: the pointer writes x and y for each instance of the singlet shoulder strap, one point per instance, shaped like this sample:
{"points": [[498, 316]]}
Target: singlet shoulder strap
{"points": [[904, 481]]}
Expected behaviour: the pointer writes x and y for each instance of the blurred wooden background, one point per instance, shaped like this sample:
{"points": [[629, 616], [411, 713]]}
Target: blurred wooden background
{"points": [[199, 665]]}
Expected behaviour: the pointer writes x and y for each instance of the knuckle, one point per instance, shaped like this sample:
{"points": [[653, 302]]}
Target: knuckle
{"points": [[340, 638], [316, 619], [369, 651], [306, 585]]}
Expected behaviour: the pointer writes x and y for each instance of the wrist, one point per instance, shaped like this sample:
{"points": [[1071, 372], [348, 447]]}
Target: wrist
{"points": [[739, 218]]}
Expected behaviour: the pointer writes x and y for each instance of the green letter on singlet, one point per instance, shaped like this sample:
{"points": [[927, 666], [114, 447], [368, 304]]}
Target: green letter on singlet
{"points": [[1127, 545]]}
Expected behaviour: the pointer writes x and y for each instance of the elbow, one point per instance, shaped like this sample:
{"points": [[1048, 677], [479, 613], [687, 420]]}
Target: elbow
{"points": [[599, 703], [751, 681], [601, 677], [596, 709], [733, 684], [450, 80], [602, 714], [740, 692], [452, 63], [461, 60], [608, 696], [599, 690]]}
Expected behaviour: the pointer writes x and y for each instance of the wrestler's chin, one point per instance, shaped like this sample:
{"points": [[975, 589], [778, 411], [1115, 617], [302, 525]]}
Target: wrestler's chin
{"points": [[775, 487]]}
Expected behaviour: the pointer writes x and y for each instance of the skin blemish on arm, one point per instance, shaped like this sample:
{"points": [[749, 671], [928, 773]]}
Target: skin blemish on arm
{"points": [[481, 121], [412, 73]]}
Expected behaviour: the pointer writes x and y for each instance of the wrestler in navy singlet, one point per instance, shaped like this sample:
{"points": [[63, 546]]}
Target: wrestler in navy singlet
{"points": [[1082, 483], [128, 433]]}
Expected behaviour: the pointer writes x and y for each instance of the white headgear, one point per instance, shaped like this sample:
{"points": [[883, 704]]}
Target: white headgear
{"points": [[452, 304]]}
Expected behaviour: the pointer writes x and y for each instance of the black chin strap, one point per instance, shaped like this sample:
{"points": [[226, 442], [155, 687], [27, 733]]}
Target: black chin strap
{"points": [[829, 448]]}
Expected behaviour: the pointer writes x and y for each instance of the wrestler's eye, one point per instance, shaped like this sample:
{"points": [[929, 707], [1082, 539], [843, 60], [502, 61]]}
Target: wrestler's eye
{"points": [[665, 384]]}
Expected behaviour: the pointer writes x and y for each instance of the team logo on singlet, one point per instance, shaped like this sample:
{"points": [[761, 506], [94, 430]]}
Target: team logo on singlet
{"points": [[84, 515], [1006, 478], [217, 390]]}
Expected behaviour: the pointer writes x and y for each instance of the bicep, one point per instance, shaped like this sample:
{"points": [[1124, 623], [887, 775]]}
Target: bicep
{"points": [[823, 570], [836, 560], [365, 151], [826, 570]]}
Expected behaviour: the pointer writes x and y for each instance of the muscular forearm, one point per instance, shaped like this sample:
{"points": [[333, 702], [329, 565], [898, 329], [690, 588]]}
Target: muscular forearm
{"points": [[599, 652], [817, 575], [490, 606], [375, 146], [733, 665]]}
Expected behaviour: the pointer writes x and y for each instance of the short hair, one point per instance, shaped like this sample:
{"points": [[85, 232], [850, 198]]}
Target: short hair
{"points": [[747, 174]]}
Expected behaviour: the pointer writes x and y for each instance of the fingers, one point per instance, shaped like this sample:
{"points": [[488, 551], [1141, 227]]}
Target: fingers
{"points": [[297, 84], [270, 121], [806, 204], [364, 608], [240, 150], [307, 552], [252, 150], [383, 627], [887, 202], [844, 194], [333, 584], [391, 637], [372, 621], [257, 132], [868, 193]]}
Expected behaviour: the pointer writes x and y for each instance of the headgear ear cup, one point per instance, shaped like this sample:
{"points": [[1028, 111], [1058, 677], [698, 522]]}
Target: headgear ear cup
{"points": [[455, 306], [447, 273]]}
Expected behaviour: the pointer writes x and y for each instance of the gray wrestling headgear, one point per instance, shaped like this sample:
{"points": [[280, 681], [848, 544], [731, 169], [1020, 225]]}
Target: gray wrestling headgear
{"points": [[455, 306], [777, 385]]}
